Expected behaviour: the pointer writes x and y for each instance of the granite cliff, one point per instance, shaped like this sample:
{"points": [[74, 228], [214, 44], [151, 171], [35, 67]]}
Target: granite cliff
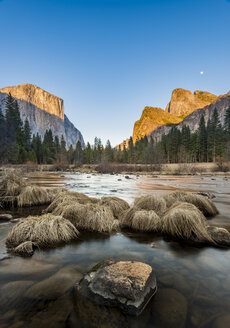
{"points": [[151, 118], [43, 110], [184, 102], [222, 103]]}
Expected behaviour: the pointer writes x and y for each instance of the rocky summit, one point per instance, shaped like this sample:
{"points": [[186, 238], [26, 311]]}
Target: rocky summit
{"points": [[43, 110], [151, 118], [183, 104], [127, 285], [221, 104]]}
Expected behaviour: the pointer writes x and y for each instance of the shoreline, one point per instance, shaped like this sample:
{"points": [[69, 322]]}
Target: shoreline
{"points": [[200, 169]]}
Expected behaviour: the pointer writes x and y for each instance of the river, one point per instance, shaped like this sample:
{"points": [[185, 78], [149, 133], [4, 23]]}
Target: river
{"points": [[193, 282]]}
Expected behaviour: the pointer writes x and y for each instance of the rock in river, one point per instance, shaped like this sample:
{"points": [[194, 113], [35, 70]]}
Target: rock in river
{"points": [[128, 285], [5, 217], [169, 309], [220, 236]]}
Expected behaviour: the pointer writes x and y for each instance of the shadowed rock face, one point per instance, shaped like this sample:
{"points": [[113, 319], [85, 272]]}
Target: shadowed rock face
{"points": [[44, 111], [124, 284]]}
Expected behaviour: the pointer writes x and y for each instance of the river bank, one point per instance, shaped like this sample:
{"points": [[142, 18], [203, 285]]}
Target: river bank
{"points": [[139, 169]]}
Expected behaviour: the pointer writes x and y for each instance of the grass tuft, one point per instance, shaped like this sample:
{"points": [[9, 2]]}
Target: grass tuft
{"points": [[117, 205], [185, 221], [206, 206], [90, 217], [151, 202], [46, 231]]}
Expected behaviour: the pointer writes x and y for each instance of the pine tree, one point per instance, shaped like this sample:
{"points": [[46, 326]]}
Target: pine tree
{"points": [[63, 150], [27, 136], [14, 131], [202, 141], [57, 146], [2, 137], [88, 154], [78, 157], [227, 121], [108, 152]]}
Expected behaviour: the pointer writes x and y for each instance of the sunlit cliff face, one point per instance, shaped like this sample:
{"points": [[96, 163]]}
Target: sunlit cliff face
{"points": [[37, 97], [183, 102]]}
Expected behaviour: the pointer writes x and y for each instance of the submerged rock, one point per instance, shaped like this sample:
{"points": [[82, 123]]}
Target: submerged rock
{"points": [[220, 236], [124, 284], [208, 194], [25, 249], [5, 217], [169, 309], [222, 321], [55, 285]]}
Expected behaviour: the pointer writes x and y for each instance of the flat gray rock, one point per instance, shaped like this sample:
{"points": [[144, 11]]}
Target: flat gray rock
{"points": [[128, 285]]}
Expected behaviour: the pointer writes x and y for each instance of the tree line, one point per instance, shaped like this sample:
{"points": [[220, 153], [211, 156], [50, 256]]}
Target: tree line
{"points": [[17, 145]]}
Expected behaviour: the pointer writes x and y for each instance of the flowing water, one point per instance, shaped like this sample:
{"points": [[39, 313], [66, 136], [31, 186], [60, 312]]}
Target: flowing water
{"points": [[193, 282]]}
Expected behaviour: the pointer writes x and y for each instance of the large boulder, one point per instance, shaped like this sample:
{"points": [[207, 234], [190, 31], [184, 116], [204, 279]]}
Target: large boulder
{"points": [[128, 285], [219, 235]]}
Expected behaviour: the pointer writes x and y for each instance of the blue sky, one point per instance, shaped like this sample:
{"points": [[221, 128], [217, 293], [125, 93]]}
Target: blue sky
{"points": [[110, 59]]}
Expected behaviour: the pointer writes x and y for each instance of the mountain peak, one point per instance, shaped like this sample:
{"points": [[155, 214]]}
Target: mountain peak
{"points": [[151, 118], [183, 102], [38, 97]]}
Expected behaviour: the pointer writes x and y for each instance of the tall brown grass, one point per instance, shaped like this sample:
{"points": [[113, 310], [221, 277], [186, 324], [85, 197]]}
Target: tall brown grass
{"points": [[206, 206], [46, 231], [140, 220], [151, 202], [12, 184], [14, 190], [33, 195], [67, 198], [117, 205], [185, 221], [90, 217]]}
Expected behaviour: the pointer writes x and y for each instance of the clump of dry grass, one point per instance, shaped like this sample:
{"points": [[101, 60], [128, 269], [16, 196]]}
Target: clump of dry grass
{"points": [[91, 217], [66, 198], [25, 249], [185, 221], [144, 220], [12, 184], [46, 231], [94, 200], [33, 195], [141, 220], [14, 190], [151, 202], [206, 206], [117, 205], [116, 225]]}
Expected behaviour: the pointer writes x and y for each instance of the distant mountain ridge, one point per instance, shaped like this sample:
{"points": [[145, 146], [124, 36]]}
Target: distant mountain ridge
{"points": [[43, 110], [183, 104], [222, 103]]}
